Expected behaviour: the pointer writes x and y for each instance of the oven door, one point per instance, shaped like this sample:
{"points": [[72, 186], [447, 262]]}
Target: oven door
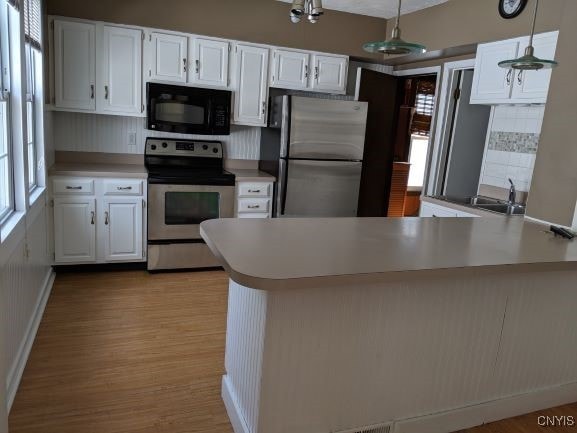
{"points": [[176, 211]]}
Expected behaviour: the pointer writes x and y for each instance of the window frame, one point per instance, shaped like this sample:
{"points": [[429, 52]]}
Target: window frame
{"points": [[6, 114]]}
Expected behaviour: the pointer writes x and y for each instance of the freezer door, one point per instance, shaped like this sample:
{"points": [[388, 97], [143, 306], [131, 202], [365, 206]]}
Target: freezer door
{"points": [[327, 129], [320, 189]]}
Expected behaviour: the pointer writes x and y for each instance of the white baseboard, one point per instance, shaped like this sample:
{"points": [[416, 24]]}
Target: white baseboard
{"points": [[232, 408], [467, 417], [15, 373]]}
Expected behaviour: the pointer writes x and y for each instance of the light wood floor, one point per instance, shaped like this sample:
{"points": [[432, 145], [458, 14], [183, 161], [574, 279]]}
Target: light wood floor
{"points": [[130, 352], [127, 352]]}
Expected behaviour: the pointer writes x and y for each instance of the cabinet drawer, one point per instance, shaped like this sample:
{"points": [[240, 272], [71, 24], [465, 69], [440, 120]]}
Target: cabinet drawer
{"points": [[254, 206], [254, 189], [71, 185], [123, 187], [253, 215]]}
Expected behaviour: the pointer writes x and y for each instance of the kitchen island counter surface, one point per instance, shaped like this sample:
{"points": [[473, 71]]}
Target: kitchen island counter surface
{"points": [[304, 252]]}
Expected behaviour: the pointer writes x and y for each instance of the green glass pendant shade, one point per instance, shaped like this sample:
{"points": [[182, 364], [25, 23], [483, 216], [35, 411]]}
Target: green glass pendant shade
{"points": [[529, 62], [395, 45]]}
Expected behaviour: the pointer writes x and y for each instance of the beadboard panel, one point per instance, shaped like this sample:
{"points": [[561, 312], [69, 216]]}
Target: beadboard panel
{"points": [[83, 132], [244, 349], [23, 279], [354, 357], [412, 353]]}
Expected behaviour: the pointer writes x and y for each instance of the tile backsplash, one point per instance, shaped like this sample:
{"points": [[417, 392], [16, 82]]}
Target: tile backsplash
{"points": [[513, 138]]}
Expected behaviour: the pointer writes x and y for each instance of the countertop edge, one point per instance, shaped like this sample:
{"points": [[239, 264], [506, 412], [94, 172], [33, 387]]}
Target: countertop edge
{"points": [[372, 279]]}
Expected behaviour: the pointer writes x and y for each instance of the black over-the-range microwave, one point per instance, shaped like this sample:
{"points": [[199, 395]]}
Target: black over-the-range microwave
{"points": [[187, 110]]}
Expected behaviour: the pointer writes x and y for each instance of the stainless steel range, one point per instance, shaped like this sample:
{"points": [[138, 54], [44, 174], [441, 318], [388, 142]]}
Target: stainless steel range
{"points": [[186, 185]]}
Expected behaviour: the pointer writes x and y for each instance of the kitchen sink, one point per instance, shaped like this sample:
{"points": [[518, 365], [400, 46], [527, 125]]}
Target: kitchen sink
{"points": [[486, 203]]}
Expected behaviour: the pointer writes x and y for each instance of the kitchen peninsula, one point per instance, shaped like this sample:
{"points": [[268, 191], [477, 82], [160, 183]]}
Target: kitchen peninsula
{"points": [[401, 325]]}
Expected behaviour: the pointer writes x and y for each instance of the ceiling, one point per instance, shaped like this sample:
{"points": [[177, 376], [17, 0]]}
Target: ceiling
{"points": [[377, 8]]}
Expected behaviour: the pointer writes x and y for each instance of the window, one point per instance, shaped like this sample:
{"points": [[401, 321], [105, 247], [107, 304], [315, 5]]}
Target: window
{"points": [[32, 34], [6, 201], [6, 180]]}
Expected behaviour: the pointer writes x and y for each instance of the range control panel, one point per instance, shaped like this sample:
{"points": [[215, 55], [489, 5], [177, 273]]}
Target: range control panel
{"points": [[190, 148]]}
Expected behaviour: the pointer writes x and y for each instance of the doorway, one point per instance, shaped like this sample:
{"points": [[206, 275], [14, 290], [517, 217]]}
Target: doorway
{"points": [[416, 109]]}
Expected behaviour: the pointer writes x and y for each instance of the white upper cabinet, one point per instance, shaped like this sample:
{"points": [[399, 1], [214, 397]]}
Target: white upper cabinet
{"points": [[121, 64], [491, 83], [168, 60], [495, 85], [74, 65], [122, 219], [330, 73], [534, 85], [210, 62], [251, 85], [290, 69]]}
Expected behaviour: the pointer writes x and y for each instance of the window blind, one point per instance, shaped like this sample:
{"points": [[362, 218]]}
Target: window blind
{"points": [[33, 22], [424, 108]]}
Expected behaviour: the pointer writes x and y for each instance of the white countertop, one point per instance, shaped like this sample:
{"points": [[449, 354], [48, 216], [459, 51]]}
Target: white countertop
{"points": [[98, 170], [251, 175], [295, 253]]}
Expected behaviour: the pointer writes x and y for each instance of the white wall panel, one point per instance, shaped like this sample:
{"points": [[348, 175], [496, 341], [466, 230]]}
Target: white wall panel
{"points": [[99, 133], [23, 279], [244, 348]]}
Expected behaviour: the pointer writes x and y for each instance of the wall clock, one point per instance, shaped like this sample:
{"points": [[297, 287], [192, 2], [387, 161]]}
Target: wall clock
{"points": [[511, 8]]}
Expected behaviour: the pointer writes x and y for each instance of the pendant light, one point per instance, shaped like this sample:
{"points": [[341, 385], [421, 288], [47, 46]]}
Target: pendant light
{"points": [[528, 62], [313, 9], [395, 45]]}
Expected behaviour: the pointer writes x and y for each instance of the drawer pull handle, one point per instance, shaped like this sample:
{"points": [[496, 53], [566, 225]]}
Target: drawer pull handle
{"points": [[254, 206], [73, 187], [92, 217], [105, 92], [106, 219], [254, 190], [123, 188]]}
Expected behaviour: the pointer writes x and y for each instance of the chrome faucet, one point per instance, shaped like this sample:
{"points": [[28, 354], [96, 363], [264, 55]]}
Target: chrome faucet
{"points": [[512, 193]]}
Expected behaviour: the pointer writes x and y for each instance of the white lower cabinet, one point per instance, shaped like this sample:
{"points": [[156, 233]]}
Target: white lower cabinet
{"points": [[74, 229], [123, 234], [108, 225], [254, 199]]}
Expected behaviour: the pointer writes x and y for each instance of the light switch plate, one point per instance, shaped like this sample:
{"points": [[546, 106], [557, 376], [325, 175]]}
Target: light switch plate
{"points": [[132, 138]]}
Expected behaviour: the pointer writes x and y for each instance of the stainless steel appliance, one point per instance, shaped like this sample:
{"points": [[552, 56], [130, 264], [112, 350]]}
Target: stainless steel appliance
{"points": [[315, 149], [187, 110], [186, 185]]}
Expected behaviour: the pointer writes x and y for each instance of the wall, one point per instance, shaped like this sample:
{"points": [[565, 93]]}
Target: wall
{"points": [[464, 22], [554, 187], [25, 282], [260, 21], [513, 138]]}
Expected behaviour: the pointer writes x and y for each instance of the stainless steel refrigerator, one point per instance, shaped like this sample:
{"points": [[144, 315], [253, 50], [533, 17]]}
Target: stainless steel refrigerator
{"points": [[315, 149]]}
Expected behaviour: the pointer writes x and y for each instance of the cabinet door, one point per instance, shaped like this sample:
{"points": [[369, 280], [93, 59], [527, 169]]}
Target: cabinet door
{"points": [[169, 62], [290, 69], [533, 86], [491, 83], [250, 102], [210, 62], [121, 81], [74, 230], [74, 60], [330, 73], [123, 235]]}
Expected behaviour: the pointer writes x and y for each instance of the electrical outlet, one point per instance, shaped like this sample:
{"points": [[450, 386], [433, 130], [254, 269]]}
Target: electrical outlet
{"points": [[132, 138]]}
